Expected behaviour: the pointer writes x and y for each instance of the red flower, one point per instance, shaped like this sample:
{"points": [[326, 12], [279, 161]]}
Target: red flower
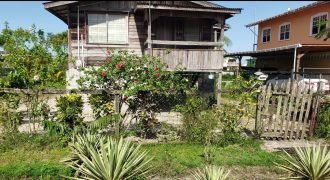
{"points": [[157, 75], [120, 65], [156, 68], [103, 74]]}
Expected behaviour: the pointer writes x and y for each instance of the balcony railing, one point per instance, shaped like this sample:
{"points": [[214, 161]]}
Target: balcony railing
{"points": [[191, 59], [185, 43]]}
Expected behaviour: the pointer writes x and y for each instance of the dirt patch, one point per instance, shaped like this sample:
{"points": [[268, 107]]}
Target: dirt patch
{"points": [[236, 172], [272, 146]]}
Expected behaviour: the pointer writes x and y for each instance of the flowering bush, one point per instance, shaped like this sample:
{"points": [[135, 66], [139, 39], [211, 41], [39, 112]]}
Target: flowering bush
{"points": [[144, 82]]}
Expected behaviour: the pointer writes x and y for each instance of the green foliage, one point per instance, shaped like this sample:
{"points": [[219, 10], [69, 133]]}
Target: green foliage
{"points": [[323, 121], [309, 163], [211, 173], [112, 160], [68, 118], [141, 80], [33, 58], [323, 32], [230, 123], [197, 122], [102, 105], [10, 119], [34, 170]]}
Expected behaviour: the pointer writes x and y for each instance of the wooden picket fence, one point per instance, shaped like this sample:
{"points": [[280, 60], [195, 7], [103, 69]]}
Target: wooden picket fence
{"points": [[286, 112]]}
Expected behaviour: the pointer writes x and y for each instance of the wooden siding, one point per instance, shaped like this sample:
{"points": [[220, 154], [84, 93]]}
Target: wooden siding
{"points": [[97, 52], [192, 59]]}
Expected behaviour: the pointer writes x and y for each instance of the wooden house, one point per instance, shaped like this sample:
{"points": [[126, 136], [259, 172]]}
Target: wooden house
{"points": [[193, 31], [287, 42]]}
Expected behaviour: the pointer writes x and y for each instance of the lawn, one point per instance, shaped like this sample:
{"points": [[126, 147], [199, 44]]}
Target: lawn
{"points": [[38, 156]]}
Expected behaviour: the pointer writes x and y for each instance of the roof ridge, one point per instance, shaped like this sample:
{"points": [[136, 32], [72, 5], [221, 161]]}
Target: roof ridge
{"points": [[313, 4]]}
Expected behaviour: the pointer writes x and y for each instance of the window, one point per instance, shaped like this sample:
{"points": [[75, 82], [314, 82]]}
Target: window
{"points": [[316, 24], [266, 35], [107, 28], [285, 31]]}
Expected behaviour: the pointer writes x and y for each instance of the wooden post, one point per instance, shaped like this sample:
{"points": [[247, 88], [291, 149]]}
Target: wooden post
{"points": [[239, 65], [218, 88], [215, 37], [117, 109], [222, 36]]}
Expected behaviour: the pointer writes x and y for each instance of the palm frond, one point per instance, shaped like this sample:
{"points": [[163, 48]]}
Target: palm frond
{"points": [[104, 122]]}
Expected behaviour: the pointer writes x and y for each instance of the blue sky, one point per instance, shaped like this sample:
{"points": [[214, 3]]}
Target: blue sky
{"points": [[25, 13]]}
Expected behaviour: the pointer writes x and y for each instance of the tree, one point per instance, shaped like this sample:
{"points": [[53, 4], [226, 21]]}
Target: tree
{"points": [[33, 58], [144, 83], [227, 41]]}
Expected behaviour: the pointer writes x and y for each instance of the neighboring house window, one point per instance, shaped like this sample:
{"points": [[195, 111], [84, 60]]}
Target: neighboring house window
{"points": [[108, 28], [316, 19], [285, 31], [266, 35]]}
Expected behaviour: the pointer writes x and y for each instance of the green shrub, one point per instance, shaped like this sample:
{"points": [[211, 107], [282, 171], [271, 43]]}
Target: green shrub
{"points": [[197, 121], [68, 118], [102, 105], [323, 122], [10, 119]]}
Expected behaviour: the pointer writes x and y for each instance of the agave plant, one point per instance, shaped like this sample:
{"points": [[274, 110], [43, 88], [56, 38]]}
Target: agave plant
{"points": [[110, 160], [79, 145], [211, 173], [309, 163]]}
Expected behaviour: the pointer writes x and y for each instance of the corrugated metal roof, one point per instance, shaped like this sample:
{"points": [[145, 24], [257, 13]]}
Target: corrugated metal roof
{"points": [[289, 12]]}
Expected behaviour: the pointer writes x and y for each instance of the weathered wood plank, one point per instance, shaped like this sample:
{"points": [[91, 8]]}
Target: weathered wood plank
{"points": [[278, 110], [301, 112], [305, 122], [299, 93], [291, 102], [285, 105]]}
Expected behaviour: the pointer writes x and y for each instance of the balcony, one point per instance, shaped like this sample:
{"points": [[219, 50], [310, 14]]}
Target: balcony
{"points": [[194, 60]]}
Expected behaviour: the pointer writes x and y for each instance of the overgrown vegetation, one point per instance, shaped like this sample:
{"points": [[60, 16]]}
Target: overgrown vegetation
{"points": [[34, 58], [323, 121], [143, 83]]}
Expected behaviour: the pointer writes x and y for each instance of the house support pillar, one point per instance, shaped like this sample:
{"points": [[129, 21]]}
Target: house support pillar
{"points": [[218, 87], [239, 65], [299, 55], [219, 74]]}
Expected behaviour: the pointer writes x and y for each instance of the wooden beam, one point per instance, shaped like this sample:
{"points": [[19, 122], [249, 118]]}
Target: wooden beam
{"points": [[189, 9], [185, 43], [57, 3]]}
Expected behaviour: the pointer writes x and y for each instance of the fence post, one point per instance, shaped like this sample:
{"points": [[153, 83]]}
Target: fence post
{"points": [[117, 109]]}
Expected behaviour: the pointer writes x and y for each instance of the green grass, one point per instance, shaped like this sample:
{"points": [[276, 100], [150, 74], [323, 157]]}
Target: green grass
{"points": [[34, 156], [180, 157], [38, 157]]}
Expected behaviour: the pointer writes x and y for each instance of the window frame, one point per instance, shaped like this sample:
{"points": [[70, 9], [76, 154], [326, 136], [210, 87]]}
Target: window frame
{"points": [[311, 22], [262, 34], [279, 31], [107, 14]]}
